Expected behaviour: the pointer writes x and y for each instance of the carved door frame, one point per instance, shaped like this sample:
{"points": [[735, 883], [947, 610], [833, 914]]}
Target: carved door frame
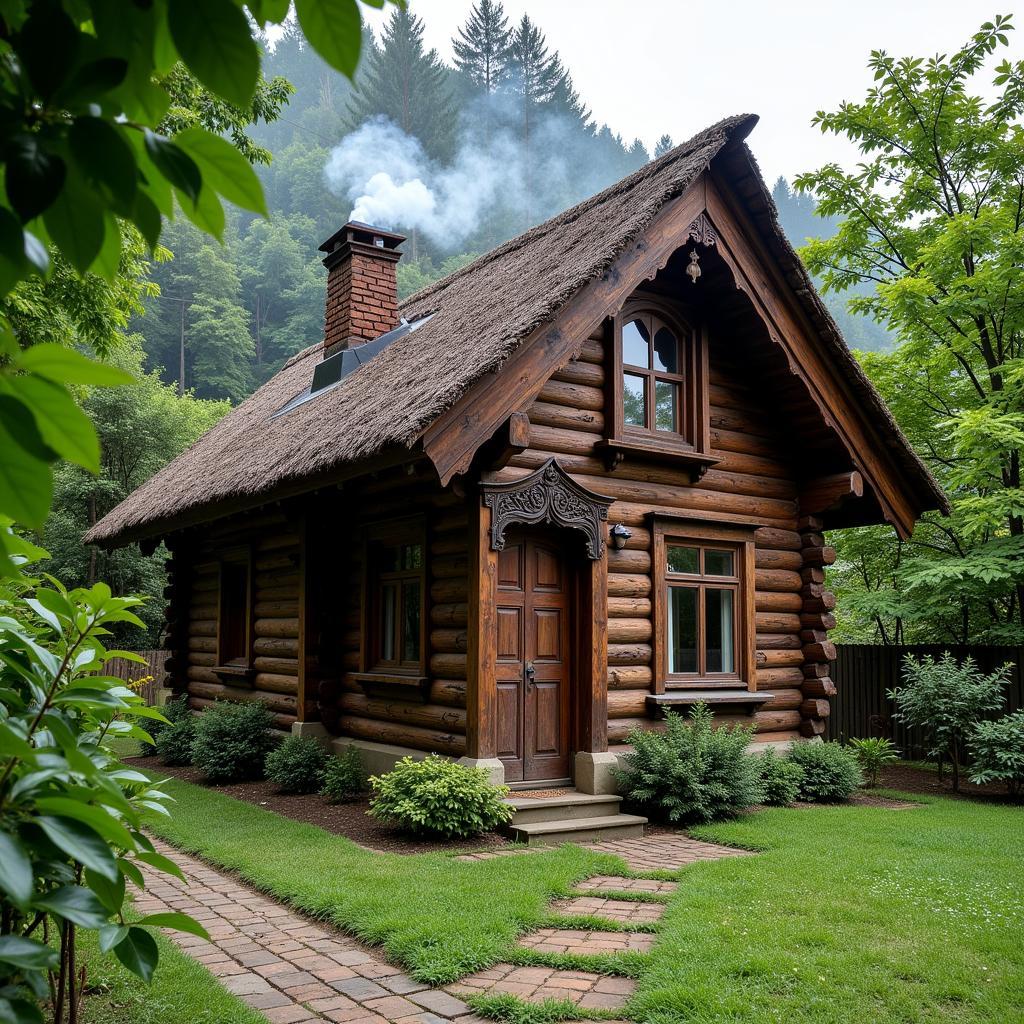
{"points": [[548, 496]]}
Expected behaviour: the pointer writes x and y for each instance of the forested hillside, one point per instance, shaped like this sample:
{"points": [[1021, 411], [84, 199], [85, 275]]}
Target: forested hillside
{"points": [[458, 157]]}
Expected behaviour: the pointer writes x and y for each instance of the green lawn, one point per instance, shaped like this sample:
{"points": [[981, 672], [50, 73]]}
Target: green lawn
{"points": [[848, 914], [182, 992]]}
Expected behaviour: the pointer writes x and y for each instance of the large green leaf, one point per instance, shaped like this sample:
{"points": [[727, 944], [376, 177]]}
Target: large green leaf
{"points": [[19, 1011], [174, 164], [32, 176], [18, 421], [206, 212], [214, 40], [95, 817], [77, 904], [13, 264], [334, 30], [75, 223], [105, 159], [66, 366], [161, 863], [15, 869], [61, 421], [179, 922], [138, 951], [26, 954], [26, 484], [224, 168], [80, 842]]}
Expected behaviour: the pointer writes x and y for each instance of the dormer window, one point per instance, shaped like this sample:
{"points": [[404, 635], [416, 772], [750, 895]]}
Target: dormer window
{"points": [[658, 401]]}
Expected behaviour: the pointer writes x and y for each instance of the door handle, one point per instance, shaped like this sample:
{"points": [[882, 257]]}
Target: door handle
{"points": [[529, 671]]}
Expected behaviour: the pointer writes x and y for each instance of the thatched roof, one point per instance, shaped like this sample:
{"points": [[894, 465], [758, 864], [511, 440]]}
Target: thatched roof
{"points": [[481, 314]]}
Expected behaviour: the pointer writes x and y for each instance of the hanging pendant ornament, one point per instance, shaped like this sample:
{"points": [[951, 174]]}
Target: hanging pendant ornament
{"points": [[693, 267]]}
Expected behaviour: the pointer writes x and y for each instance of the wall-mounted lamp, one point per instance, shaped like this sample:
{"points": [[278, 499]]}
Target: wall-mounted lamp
{"points": [[620, 534]]}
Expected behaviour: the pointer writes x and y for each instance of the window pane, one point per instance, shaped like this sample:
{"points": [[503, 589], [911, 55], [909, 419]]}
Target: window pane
{"points": [[412, 556], [634, 344], [682, 629], [718, 563], [682, 559], [388, 600], [666, 351], [718, 632], [665, 401], [388, 558], [411, 621], [634, 400]]}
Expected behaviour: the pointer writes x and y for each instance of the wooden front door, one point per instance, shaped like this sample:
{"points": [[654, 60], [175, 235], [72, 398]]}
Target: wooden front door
{"points": [[534, 636]]}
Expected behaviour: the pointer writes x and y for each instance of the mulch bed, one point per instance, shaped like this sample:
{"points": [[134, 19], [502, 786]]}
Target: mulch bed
{"points": [[911, 779], [349, 820]]}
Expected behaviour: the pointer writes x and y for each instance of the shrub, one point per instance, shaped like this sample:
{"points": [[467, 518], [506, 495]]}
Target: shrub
{"points": [[690, 772], [439, 797], [997, 750], [830, 771], [780, 779], [344, 777], [175, 710], [947, 700], [297, 765], [232, 741], [873, 753], [174, 744]]}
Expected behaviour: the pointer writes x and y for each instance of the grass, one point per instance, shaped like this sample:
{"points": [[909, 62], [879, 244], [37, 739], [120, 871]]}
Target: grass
{"points": [[510, 1010], [182, 991], [847, 913], [436, 915]]}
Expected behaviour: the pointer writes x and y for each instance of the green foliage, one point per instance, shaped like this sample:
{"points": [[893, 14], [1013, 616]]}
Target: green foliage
{"points": [[436, 796], [873, 754], [297, 765], [232, 741], [946, 700], [929, 244], [344, 777], [173, 711], [831, 771], [71, 812], [690, 772], [88, 171], [780, 779], [174, 743], [997, 752]]}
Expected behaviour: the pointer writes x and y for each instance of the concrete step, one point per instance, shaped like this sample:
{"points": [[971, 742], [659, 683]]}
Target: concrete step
{"points": [[559, 808], [580, 830]]}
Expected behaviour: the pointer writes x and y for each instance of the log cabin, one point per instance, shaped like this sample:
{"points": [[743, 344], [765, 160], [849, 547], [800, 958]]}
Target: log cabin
{"points": [[584, 479]]}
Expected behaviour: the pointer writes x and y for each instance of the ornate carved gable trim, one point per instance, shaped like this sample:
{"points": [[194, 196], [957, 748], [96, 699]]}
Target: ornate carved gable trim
{"points": [[702, 231], [548, 495]]}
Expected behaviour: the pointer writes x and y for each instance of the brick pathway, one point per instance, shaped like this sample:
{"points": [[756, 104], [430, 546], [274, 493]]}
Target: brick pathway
{"points": [[296, 971]]}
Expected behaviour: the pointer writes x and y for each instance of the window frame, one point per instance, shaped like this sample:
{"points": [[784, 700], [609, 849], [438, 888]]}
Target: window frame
{"points": [[409, 530], [240, 556], [693, 434], [669, 530]]}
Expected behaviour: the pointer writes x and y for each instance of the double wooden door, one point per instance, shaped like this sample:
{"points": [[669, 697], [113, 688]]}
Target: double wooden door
{"points": [[534, 642]]}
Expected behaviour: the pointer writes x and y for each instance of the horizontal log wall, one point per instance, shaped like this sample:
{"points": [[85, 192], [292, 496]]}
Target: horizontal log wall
{"points": [[752, 483], [275, 593], [438, 721]]}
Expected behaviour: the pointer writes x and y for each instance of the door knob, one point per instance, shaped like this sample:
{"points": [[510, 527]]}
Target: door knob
{"points": [[530, 672]]}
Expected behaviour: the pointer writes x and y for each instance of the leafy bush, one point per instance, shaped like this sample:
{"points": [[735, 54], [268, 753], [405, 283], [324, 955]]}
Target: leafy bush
{"points": [[690, 772], [71, 836], [947, 700], [174, 744], [344, 777], [232, 741], [780, 779], [997, 752], [297, 765], [873, 754], [830, 771], [439, 797], [176, 710]]}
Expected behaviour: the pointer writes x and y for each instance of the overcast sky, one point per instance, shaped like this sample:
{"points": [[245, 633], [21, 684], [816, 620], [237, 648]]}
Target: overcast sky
{"points": [[651, 66]]}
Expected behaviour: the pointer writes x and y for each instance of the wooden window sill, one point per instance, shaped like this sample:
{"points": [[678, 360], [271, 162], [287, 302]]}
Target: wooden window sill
{"points": [[616, 449], [713, 698], [392, 684], [234, 672]]}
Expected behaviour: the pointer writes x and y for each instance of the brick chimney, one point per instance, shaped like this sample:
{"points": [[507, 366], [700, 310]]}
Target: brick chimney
{"points": [[362, 293]]}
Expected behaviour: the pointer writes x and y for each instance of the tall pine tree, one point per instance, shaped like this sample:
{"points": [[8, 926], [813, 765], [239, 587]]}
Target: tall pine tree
{"points": [[483, 46], [407, 84]]}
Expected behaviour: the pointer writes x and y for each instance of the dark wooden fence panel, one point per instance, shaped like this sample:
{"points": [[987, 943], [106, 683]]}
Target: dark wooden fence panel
{"points": [[864, 673], [132, 670]]}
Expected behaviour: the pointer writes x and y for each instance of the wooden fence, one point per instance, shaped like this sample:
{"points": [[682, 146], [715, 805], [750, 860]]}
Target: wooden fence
{"points": [[132, 670], [864, 673]]}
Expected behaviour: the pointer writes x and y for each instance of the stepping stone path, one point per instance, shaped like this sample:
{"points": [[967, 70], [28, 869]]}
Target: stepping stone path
{"points": [[296, 971]]}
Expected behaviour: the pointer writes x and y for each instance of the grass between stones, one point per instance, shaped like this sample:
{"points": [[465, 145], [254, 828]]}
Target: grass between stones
{"points": [[509, 1009]]}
